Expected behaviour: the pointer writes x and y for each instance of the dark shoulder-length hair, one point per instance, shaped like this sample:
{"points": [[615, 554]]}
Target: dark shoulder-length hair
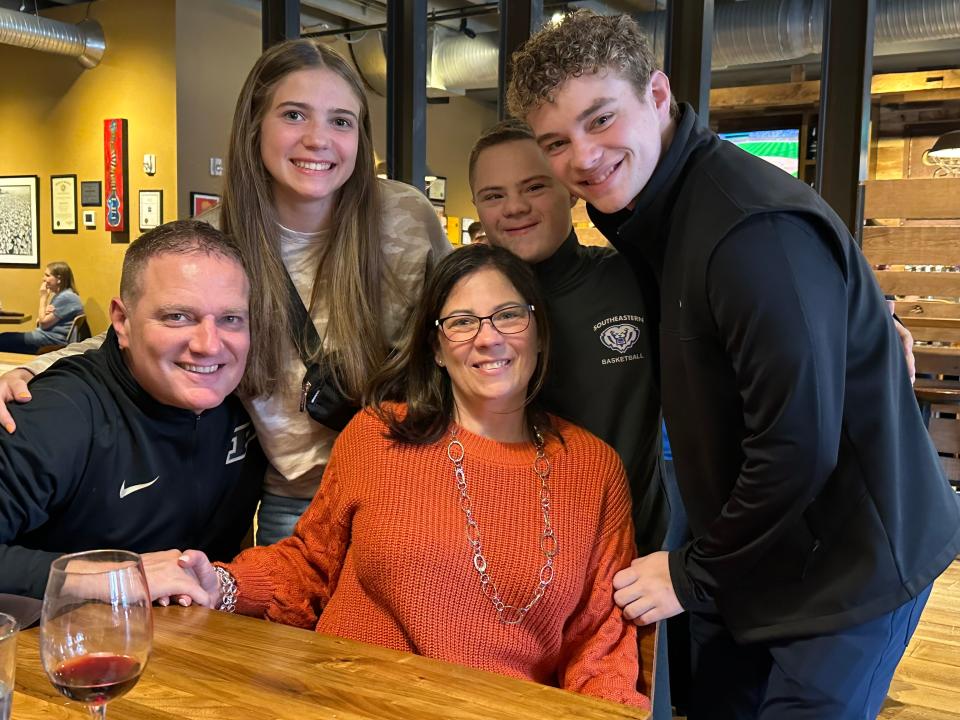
{"points": [[412, 375]]}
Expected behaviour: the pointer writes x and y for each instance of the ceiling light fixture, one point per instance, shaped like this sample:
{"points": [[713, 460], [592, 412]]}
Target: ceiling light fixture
{"points": [[945, 155]]}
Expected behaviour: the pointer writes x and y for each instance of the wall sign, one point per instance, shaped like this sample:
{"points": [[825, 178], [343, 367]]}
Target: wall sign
{"points": [[115, 174], [90, 193]]}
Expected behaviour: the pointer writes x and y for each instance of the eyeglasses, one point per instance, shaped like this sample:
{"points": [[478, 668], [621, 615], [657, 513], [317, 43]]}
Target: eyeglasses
{"points": [[507, 321]]}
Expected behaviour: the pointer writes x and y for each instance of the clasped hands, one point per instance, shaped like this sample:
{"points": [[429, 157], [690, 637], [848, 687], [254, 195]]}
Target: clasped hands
{"points": [[184, 577], [644, 590]]}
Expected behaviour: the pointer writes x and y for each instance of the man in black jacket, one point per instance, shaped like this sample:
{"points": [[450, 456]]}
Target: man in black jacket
{"points": [[819, 512], [600, 375], [139, 444]]}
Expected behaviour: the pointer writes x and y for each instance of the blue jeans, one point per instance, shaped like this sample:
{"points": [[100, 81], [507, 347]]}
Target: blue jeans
{"points": [[842, 675], [26, 343], [277, 517]]}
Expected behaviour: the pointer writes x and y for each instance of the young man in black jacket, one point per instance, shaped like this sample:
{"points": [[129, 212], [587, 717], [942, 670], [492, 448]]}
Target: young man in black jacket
{"points": [[819, 511], [601, 376], [139, 444]]}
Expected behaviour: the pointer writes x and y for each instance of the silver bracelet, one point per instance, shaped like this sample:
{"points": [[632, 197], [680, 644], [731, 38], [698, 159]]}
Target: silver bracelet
{"points": [[228, 590]]}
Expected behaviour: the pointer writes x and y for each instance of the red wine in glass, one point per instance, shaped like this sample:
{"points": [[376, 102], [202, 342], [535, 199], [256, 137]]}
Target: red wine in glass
{"points": [[96, 628], [96, 678]]}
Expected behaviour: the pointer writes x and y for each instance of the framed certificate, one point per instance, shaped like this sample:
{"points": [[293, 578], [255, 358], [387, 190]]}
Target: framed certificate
{"points": [[151, 209], [63, 203]]}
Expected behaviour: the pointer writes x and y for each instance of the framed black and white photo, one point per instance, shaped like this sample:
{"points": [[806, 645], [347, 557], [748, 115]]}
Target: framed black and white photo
{"points": [[151, 209], [20, 221], [63, 203]]}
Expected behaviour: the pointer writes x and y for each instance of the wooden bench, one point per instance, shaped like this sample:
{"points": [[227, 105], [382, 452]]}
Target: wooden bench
{"points": [[916, 222]]}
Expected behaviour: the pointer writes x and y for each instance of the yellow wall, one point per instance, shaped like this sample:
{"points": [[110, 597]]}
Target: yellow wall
{"points": [[51, 122], [218, 41]]}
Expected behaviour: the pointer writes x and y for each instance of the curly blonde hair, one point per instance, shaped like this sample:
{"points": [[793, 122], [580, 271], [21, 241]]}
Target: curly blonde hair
{"points": [[582, 43]]}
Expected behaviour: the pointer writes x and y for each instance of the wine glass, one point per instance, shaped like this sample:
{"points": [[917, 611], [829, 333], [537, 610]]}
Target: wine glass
{"points": [[8, 662], [96, 627]]}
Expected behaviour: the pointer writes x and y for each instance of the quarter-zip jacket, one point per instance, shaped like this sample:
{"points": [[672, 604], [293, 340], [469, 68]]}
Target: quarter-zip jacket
{"points": [[96, 462], [815, 497], [600, 375]]}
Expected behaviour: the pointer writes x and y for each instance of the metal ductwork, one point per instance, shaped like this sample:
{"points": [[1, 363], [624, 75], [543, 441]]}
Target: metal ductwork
{"points": [[83, 41], [466, 63], [763, 31], [745, 33]]}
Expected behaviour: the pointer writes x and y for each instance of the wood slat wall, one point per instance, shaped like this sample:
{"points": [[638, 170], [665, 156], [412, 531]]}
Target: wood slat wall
{"points": [[909, 204], [915, 245], [927, 198], [930, 85], [938, 284]]}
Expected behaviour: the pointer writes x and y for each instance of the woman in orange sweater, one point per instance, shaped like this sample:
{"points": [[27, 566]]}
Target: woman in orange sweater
{"points": [[461, 523]]}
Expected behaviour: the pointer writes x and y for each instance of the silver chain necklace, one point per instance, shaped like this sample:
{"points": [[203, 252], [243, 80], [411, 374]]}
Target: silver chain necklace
{"points": [[507, 614]]}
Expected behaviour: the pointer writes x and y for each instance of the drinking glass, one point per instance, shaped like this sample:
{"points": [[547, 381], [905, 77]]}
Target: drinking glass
{"points": [[8, 662], [96, 627]]}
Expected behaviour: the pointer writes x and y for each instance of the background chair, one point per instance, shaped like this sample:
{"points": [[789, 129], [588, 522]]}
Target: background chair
{"points": [[79, 330]]}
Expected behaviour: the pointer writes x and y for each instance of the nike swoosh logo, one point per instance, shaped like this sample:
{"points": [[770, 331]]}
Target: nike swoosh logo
{"points": [[124, 490]]}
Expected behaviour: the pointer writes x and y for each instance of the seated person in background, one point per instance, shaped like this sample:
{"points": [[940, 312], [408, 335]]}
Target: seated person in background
{"points": [[476, 232], [139, 444], [59, 305], [381, 555]]}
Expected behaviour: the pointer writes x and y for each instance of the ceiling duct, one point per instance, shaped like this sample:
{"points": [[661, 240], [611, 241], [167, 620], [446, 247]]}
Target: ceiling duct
{"points": [[83, 41], [763, 31], [745, 33]]}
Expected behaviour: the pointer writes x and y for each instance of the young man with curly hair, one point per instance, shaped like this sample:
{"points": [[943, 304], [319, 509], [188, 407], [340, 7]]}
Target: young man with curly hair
{"points": [[819, 511]]}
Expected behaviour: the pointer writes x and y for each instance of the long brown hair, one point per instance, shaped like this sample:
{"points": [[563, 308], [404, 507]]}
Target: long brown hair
{"points": [[412, 375], [350, 272], [64, 275]]}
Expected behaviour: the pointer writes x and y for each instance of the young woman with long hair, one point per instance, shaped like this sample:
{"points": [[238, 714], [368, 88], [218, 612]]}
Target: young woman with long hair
{"points": [[59, 305]]}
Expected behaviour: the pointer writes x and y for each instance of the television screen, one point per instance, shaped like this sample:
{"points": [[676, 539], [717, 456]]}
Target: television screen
{"points": [[780, 147]]}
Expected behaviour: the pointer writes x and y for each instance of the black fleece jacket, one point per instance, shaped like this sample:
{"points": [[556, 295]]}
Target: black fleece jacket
{"points": [[98, 463], [601, 376], [815, 497]]}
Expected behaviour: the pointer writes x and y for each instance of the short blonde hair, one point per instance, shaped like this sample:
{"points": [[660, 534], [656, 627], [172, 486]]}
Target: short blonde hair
{"points": [[582, 43]]}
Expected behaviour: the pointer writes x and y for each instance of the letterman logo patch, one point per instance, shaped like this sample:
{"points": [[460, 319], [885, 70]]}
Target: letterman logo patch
{"points": [[620, 337], [242, 435]]}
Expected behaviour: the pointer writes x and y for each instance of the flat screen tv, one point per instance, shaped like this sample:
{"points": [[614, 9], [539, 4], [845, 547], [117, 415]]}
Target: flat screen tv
{"points": [[780, 147]]}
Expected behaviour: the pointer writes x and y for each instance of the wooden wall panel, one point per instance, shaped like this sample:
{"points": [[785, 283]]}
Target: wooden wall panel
{"points": [[913, 245], [927, 309], [937, 284], [937, 360], [937, 198]]}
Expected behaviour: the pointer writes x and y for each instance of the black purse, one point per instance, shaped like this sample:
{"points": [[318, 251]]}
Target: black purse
{"points": [[319, 395]]}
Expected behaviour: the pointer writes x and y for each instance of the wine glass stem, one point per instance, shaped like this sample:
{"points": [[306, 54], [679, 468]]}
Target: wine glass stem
{"points": [[98, 712]]}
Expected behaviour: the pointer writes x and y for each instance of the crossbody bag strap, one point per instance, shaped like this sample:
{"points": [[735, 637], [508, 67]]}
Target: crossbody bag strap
{"points": [[305, 335]]}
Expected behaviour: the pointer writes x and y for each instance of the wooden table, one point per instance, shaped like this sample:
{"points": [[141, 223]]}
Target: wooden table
{"points": [[8, 361], [14, 319], [214, 665]]}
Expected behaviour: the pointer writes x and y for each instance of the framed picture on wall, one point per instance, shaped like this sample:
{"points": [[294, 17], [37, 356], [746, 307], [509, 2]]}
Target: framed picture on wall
{"points": [[20, 221], [202, 201], [63, 203], [151, 209], [91, 193]]}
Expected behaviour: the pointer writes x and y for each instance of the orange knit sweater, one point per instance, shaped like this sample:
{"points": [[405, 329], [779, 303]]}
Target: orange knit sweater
{"points": [[382, 552]]}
